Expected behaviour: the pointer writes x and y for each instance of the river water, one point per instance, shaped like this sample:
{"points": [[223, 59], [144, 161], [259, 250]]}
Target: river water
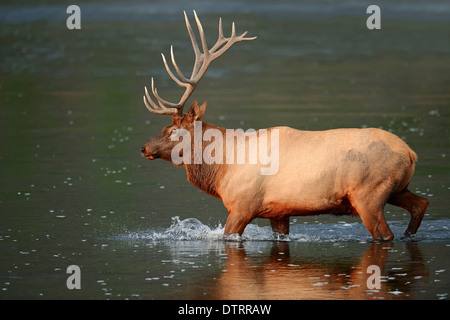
{"points": [[75, 190]]}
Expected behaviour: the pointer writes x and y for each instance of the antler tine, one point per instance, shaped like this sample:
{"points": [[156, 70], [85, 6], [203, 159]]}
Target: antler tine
{"points": [[191, 35], [202, 37], [177, 81], [197, 52], [153, 107], [180, 74], [221, 37], [163, 103]]}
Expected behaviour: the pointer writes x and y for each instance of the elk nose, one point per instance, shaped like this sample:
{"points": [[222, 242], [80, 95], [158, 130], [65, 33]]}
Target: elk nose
{"points": [[143, 150]]}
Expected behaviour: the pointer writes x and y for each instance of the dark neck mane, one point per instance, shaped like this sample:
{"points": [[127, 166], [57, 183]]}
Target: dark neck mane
{"points": [[204, 177]]}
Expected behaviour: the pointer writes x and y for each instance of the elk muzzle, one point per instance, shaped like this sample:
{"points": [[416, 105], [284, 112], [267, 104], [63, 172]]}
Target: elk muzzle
{"points": [[149, 154]]}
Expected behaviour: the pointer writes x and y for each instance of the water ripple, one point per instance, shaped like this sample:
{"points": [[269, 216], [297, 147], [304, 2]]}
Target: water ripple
{"points": [[194, 229]]}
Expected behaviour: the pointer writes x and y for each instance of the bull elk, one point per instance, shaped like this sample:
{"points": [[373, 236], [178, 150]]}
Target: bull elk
{"points": [[340, 171]]}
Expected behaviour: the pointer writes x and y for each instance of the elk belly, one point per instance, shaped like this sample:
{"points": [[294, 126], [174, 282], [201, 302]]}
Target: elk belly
{"points": [[276, 209]]}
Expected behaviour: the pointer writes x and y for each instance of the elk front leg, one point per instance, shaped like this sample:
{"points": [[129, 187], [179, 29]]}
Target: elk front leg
{"points": [[236, 222], [280, 225]]}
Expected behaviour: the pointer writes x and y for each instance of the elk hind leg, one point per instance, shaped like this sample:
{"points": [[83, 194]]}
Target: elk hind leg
{"points": [[376, 224], [371, 213], [415, 205]]}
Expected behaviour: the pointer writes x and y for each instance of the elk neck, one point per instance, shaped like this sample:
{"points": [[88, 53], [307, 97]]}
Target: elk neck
{"points": [[203, 175]]}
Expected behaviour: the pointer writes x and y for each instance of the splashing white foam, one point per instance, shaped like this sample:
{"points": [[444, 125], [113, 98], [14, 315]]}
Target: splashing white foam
{"points": [[194, 229]]}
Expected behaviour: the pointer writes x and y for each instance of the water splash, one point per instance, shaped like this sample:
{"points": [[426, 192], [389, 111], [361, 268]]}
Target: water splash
{"points": [[189, 229], [194, 229]]}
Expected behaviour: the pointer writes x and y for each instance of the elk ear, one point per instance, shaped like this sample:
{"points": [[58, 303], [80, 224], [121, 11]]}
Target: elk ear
{"points": [[196, 112]]}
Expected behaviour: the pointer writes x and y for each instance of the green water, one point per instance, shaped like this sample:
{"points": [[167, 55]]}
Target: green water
{"points": [[75, 189]]}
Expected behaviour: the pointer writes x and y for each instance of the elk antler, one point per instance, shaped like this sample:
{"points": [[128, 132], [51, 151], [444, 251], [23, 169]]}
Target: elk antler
{"points": [[202, 61]]}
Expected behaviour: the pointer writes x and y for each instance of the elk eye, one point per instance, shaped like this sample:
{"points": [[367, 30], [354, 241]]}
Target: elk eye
{"points": [[173, 133]]}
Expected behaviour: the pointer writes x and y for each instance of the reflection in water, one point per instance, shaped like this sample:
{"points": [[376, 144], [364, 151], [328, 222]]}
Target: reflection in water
{"points": [[283, 276]]}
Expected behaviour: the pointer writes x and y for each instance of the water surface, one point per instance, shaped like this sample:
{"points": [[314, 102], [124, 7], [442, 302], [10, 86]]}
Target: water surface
{"points": [[75, 190]]}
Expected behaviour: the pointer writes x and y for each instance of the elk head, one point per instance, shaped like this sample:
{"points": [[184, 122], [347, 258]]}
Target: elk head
{"points": [[161, 145]]}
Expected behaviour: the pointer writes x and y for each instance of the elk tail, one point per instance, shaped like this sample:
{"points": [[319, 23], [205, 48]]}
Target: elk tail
{"points": [[409, 171], [412, 156]]}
